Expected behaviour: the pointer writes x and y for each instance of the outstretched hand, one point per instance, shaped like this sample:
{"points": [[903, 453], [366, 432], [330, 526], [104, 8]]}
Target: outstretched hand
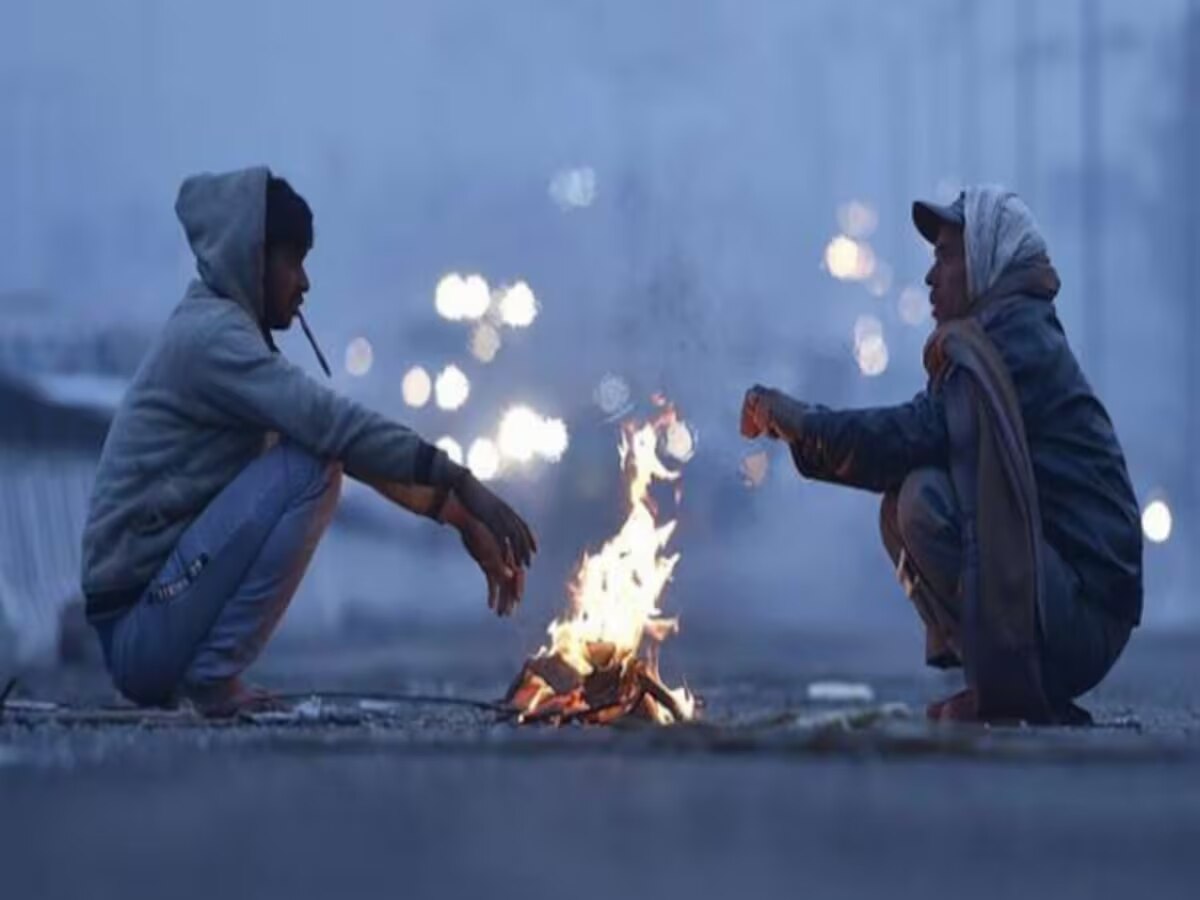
{"points": [[514, 537], [505, 577], [496, 537], [756, 412], [771, 413]]}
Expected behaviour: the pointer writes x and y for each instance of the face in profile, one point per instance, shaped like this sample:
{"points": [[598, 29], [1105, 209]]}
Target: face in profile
{"points": [[285, 284], [947, 278]]}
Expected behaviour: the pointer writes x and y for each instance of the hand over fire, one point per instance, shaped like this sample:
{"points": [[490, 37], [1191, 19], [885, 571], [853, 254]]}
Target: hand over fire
{"points": [[505, 578], [497, 539], [756, 413], [771, 413]]}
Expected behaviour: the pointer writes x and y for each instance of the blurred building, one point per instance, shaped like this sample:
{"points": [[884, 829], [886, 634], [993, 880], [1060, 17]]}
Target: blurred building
{"points": [[59, 386]]}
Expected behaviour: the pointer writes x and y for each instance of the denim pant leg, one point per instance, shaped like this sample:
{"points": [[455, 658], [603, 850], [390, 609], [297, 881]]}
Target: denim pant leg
{"points": [[209, 611]]}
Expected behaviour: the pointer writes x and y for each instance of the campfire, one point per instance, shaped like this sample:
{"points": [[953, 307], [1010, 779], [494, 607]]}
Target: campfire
{"points": [[601, 663]]}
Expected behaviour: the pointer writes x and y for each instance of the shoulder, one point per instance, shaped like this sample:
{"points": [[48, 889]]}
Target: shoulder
{"points": [[206, 325]]}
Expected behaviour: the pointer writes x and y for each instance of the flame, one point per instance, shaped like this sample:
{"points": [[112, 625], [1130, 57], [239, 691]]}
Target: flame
{"points": [[615, 622]]}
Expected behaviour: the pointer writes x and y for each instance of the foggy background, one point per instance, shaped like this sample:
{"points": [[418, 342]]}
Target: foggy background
{"points": [[667, 178]]}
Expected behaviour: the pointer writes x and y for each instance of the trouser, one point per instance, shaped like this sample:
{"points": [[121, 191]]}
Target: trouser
{"points": [[208, 613], [922, 533]]}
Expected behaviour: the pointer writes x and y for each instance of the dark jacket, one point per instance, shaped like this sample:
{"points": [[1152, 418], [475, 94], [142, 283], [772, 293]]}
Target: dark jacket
{"points": [[1088, 509]]}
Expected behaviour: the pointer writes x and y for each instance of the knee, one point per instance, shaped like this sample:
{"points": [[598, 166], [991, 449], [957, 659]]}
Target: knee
{"points": [[308, 473], [925, 506], [889, 528]]}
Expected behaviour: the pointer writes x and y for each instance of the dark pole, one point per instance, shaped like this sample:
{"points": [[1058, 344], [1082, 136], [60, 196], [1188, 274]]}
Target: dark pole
{"points": [[1025, 94], [1092, 206]]}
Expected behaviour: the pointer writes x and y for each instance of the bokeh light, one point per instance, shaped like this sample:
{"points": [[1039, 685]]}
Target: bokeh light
{"points": [[849, 260], [870, 347], [459, 297], [754, 469], [865, 327], [680, 441], [524, 434], [553, 439], [417, 387], [451, 448], [452, 388], [612, 395], [913, 305], [517, 305], [518, 438], [483, 459], [573, 188], [359, 357], [880, 281], [858, 219], [1157, 521], [485, 342]]}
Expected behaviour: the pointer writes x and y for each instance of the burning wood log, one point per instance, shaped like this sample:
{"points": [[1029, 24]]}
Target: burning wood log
{"points": [[602, 661]]}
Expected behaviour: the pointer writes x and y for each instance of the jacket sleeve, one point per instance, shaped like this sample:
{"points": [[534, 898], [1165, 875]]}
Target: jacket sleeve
{"points": [[872, 449], [240, 381]]}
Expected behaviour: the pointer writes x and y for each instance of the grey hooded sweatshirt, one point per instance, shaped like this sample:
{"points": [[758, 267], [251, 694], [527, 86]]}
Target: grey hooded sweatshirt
{"points": [[206, 395]]}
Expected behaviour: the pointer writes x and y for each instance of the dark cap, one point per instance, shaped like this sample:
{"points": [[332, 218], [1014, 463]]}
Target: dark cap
{"points": [[930, 217]]}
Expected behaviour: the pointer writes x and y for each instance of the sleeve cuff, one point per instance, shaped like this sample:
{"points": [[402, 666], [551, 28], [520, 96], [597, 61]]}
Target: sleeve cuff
{"points": [[436, 469]]}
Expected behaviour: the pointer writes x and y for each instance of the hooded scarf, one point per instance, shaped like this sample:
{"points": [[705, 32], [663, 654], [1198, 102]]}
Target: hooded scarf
{"points": [[990, 464]]}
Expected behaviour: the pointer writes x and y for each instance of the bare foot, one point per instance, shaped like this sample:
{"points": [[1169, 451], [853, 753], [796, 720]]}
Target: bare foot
{"points": [[226, 699]]}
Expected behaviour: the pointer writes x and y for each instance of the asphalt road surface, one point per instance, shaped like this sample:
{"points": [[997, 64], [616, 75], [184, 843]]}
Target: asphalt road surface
{"points": [[775, 794]]}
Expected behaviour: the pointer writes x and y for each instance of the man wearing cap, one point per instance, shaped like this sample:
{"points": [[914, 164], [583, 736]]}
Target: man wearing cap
{"points": [[1007, 506], [223, 464]]}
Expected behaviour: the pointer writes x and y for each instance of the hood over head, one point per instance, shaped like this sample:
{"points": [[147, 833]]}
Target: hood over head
{"points": [[224, 217], [1006, 253]]}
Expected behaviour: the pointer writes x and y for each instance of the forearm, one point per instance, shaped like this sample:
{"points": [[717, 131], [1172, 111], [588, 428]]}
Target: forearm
{"points": [[787, 417], [873, 449], [437, 503]]}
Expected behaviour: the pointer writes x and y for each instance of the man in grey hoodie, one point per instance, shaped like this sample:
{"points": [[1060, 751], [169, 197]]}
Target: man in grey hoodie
{"points": [[223, 465]]}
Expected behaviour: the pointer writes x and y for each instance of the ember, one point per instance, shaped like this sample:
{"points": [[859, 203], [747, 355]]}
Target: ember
{"points": [[602, 661]]}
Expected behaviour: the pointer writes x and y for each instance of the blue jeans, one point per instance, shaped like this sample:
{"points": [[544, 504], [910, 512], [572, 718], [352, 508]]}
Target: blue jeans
{"points": [[920, 525], [208, 613]]}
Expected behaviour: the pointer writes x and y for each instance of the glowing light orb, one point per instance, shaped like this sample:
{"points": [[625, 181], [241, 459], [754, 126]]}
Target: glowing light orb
{"points": [[485, 342], [518, 306], [913, 305], [483, 459], [754, 469], [452, 388], [553, 439], [865, 327], [451, 448], [881, 281], [612, 395], [519, 432], [461, 297], [849, 260], [872, 356], [858, 219], [1157, 522], [681, 442], [573, 188], [417, 387], [359, 357]]}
